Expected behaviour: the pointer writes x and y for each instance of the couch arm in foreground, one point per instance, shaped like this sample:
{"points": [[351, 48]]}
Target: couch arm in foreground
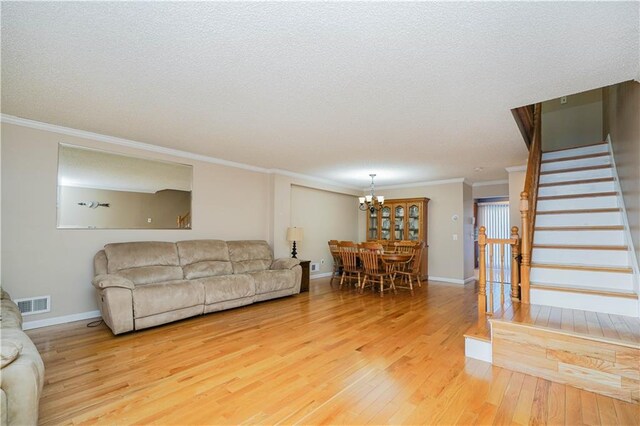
{"points": [[284, 263]]}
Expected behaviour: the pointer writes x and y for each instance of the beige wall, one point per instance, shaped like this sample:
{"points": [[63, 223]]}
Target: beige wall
{"points": [[622, 121], [468, 230], [127, 210], [446, 256], [38, 259], [324, 216], [576, 123], [490, 191], [516, 186]]}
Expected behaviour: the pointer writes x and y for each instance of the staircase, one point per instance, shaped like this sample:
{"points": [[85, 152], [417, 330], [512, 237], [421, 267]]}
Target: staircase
{"points": [[581, 258]]}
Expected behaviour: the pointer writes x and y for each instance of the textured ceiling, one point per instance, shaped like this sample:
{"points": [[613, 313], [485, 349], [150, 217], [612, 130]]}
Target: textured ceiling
{"points": [[411, 91]]}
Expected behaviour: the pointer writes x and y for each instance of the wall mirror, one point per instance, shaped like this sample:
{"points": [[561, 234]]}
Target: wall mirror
{"points": [[104, 190]]}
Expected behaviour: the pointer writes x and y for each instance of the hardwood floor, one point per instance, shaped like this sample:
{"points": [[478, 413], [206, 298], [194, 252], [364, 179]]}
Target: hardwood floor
{"points": [[327, 356]]}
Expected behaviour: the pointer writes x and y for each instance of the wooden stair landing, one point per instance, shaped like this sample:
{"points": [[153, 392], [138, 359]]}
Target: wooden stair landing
{"points": [[588, 350]]}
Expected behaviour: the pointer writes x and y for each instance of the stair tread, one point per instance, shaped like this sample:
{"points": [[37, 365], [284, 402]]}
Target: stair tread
{"points": [[576, 169], [578, 267], [576, 182], [576, 157], [580, 195], [579, 247], [603, 291], [581, 228], [580, 211], [576, 147]]}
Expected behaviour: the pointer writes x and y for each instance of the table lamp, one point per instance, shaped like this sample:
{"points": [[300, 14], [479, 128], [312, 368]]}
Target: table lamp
{"points": [[294, 234]]}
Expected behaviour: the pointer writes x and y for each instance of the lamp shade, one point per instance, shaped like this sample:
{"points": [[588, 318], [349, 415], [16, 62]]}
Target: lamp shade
{"points": [[295, 234]]}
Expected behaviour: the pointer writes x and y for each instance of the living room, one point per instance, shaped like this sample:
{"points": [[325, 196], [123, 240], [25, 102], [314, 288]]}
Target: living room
{"points": [[285, 135]]}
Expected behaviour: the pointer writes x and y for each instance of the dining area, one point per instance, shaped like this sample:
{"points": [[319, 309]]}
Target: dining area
{"points": [[384, 266]]}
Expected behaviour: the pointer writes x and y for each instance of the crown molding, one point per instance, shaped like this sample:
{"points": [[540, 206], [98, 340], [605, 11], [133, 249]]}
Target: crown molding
{"points": [[490, 182], [522, 168], [38, 125], [415, 184], [313, 179]]}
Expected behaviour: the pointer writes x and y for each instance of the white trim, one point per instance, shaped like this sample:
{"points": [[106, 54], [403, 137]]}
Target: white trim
{"points": [[447, 280], [469, 280], [311, 178], [516, 168], [322, 275], [625, 219], [478, 349], [60, 320], [491, 182], [415, 184]]}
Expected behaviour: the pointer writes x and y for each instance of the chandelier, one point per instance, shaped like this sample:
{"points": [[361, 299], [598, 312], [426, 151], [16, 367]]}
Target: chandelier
{"points": [[371, 202]]}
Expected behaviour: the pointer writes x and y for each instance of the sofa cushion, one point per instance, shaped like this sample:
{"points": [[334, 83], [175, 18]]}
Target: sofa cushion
{"points": [[9, 351], [154, 299], [249, 256], [10, 315], [151, 274], [228, 287], [138, 254], [204, 258], [268, 281]]}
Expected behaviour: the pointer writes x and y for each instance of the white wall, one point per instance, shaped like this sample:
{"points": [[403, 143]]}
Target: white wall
{"points": [[482, 190], [38, 259], [446, 256], [324, 216]]}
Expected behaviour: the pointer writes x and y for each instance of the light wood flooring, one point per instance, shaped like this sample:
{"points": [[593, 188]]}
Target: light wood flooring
{"points": [[325, 357]]}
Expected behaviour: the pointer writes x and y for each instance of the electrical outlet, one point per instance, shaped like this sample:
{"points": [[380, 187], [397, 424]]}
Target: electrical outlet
{"points": [[455, 237], [148, 220], [322, 261], [563, 100]]}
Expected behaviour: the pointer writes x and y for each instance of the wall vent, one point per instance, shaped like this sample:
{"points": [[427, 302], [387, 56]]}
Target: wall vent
{"points": [[315, 267], [34, 305]]}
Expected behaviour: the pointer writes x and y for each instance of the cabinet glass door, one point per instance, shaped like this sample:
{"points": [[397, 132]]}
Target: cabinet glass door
{"points": [[385, 226], [398, 226], [373, 225], [414, 222]]}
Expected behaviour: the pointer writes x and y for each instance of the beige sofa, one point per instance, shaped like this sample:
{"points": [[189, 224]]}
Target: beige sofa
{"points": [[22, 369], [144, 284]]}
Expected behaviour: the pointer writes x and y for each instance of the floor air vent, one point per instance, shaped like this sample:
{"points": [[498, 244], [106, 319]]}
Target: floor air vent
{"points": [[34, 305]]}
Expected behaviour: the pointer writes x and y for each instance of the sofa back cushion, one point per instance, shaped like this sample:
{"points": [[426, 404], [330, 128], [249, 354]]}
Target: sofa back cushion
{"points": [[144, 262], [204, 258], [249, 256]]}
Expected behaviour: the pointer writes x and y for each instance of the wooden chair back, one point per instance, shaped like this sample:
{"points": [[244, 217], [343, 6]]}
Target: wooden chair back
{"points": [[414, 266], [405, 246], [370, 256], [348, 255], [335, 253]]}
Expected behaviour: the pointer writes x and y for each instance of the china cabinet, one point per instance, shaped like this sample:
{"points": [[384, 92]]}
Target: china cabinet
{"points": [[401, 219]]}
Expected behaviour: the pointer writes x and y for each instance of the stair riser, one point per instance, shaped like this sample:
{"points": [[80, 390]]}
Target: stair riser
{"points": [[571, 164], [582, 279], [585, 302], [579, 219], [609, 238], [614, 258], [584, 188], [575, 152], [581, 175], [604, 202]]}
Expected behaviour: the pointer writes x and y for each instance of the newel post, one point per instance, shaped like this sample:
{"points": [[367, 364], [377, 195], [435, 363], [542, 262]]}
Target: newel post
{"points": [[525, 267], [515, 265], [482, 266]]}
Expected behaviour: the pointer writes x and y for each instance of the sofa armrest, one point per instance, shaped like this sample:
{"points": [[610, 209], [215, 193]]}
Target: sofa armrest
{"points": [[284, 263], [111, 280]]}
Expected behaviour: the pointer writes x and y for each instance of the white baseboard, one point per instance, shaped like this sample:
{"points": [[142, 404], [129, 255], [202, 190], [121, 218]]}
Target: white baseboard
{"points": [[478, 349], [322, 275], [60, 320], [448, 280], [469, 280]]}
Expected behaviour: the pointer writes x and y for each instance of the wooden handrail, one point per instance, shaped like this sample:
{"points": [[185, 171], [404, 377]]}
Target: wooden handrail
{"points": [[524, 117], [528, 201], [184, 221], [483, 242]]}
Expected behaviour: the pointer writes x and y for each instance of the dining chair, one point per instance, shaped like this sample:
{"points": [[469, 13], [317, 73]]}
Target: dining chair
{"points": [[337, 261], [374, 267], [412, 269], [348, 251]]}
